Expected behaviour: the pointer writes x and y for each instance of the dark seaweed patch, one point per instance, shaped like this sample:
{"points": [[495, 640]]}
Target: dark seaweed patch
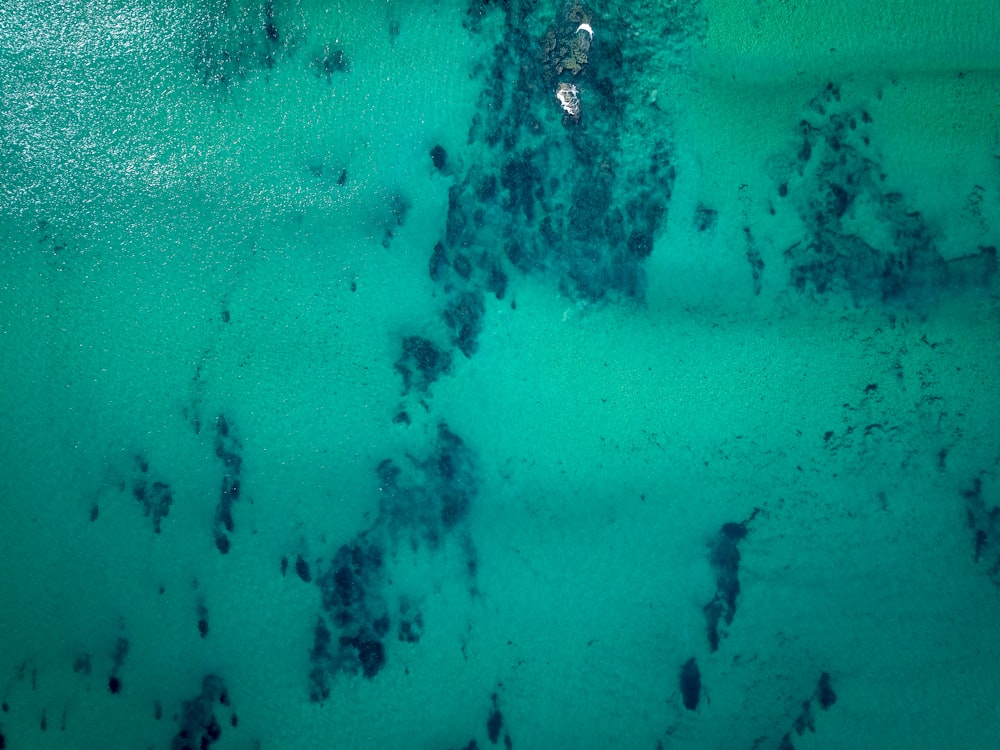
{"points": [[117, 662], [464, 316], [421, 363], [424, 511], [438, 264], [202, 612], [462, 266], [690, 684], [228, 450], [755, 261], [370, 653], [983, 519], [328, 62], [240, 40], [302, 569], [494, 722], [155, 496], [496, 281], [81, 664], [439, 157], [563, 203], [199, 727], [974, 270], [705, 218], [805, 721], [724, 557], [411, 630], [320, 658], [860, 238], [352, 599], [824, 692]]}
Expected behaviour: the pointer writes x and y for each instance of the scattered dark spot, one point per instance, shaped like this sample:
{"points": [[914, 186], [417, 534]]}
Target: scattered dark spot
{"points": [[225, 316], [114, 685]]}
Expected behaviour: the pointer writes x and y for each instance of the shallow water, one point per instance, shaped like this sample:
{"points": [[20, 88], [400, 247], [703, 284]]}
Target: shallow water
{"points": [[354, 394]]}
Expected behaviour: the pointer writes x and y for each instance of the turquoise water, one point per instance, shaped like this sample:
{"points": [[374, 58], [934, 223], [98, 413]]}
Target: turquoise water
{"points": [[357, 394]]}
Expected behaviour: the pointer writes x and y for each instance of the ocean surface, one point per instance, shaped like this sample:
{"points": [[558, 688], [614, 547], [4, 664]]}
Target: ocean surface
{"points": [[439, 375]]}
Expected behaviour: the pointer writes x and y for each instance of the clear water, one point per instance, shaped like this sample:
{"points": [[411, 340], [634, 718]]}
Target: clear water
{"points": [[354, 396]]}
